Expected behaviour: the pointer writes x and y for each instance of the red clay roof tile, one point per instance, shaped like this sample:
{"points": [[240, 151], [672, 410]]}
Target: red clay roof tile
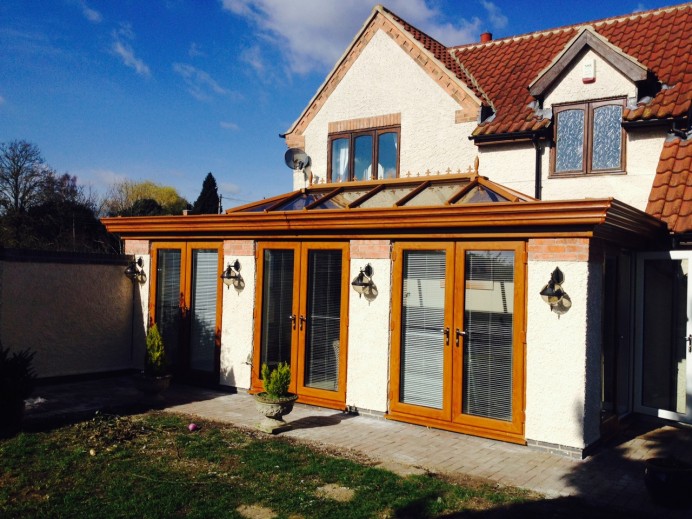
{"points": [[671, 194]]}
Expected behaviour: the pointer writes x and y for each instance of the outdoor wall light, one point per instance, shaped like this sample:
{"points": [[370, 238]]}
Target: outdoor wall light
{"points": [[554, 295], [363, 283], [231, 276], [135, 272]]}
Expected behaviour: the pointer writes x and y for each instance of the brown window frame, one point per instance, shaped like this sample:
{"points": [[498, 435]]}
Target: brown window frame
{"points": [[351, 136], [587, 153]]}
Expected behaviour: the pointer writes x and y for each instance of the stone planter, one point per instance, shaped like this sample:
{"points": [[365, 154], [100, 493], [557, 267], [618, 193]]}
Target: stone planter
{"points": [[668, 482], [152, 385], [274, 410]]}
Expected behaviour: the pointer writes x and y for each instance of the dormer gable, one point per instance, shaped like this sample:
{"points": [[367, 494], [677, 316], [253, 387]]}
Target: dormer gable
{"points": [[587, 39]]}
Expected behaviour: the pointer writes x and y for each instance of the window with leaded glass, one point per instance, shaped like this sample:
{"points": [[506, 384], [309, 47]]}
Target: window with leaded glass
{"points": [[589, 138], [364, 155]]}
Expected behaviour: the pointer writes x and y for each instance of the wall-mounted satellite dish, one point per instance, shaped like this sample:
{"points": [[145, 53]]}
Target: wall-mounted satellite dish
{"points": [[296, 159]]}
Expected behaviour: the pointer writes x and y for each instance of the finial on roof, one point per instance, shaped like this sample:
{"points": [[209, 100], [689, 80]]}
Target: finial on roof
{"points": [[475, 164]]}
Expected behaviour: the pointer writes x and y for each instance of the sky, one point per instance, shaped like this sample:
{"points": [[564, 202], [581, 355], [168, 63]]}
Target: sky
{"points": [[169, 90]]}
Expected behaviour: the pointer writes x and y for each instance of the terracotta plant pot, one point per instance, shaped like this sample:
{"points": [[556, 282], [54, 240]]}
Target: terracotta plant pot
{"points": [[668, 482], [274, 410]]}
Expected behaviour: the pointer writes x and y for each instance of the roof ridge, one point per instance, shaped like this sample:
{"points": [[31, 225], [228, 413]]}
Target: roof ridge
{"points": [[576, 26], [401, 21]]}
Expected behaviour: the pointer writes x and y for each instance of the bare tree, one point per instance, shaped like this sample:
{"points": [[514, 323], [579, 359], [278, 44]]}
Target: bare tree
{"points": [[22, 173]]}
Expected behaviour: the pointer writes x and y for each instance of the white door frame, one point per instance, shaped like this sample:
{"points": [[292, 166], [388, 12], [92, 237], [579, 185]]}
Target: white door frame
{"points": [[639, 343]]}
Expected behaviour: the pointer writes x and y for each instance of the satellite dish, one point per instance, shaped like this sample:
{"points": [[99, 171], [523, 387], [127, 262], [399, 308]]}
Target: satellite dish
{"points": [[296, 158]]}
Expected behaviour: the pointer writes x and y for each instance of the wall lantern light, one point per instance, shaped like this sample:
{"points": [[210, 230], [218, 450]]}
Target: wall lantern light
{"points": [[231, 276], [554, 295], [135, 272], [363, 283]]}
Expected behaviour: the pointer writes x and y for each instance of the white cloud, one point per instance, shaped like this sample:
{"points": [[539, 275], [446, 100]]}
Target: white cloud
{"points": [[228, 125], [312, 34], [195, 50], [497, 19], [125, 51], [91, 14], [200, 84], [253, 57], [2, 100]]}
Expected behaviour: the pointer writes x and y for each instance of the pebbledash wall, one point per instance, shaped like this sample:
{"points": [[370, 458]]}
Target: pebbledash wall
{"points": [[74, 310], [562, 354]]}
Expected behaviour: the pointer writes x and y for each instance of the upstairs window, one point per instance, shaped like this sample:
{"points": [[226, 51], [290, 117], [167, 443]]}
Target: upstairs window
{"points": [[589, 138], [353, 154]]}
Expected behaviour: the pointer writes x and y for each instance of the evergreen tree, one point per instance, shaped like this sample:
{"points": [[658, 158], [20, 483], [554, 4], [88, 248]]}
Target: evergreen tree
{"points": [[208, 200]]}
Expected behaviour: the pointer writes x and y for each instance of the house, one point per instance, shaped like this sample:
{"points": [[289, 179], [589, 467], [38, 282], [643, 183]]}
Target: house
{"points": [[490, 239]]}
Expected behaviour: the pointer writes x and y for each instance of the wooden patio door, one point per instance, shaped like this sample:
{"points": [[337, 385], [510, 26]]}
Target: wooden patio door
{"points": [[458, 337], [302, 300], [186, 305]]}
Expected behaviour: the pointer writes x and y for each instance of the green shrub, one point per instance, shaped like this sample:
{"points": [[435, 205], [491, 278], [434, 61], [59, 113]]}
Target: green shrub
{"points": [[155, 362], [276, 381], [17, 375]]}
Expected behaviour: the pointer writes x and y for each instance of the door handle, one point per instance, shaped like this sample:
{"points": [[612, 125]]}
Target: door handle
{"points": [[292, 318], [446, 333], [459, 333], [302, 320]]}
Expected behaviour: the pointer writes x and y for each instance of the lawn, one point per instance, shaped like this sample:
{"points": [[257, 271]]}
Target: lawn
{"points": [[151, 465]]}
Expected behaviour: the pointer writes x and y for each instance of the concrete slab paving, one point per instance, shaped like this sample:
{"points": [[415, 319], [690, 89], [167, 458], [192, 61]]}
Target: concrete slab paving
{"points": [[612, 476]]}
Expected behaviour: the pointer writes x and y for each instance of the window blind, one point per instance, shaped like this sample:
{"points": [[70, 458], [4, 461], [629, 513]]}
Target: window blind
{"points": [[277, 307], [422, 322], [205, 266], [323, 332], [168, 300], [488, 345]]}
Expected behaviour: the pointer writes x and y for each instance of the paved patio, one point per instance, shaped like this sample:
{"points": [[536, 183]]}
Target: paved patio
{"points": [[613, 476]]}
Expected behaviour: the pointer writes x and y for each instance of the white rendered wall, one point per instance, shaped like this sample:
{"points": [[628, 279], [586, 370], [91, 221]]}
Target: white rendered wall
{"points": [[237, 327], [368, 340], [384, 80], [563, 357]]}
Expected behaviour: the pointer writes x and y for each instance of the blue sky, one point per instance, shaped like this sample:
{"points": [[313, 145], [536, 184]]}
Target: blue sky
{"points": [[168, 90]]}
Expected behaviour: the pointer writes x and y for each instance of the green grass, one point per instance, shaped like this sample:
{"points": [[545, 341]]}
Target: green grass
{"points": [[152, 466]]}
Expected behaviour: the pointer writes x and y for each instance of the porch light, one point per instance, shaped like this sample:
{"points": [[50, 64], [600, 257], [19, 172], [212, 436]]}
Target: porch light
{"points": [[135, 272], [231, 276], [554, 295], [363, 283]]}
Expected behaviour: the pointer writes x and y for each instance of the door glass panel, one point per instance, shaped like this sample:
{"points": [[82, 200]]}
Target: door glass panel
{"points": [[323, 332], [277, 307], [422, 322], [205, 266], [168, 297], [664, 332], [488, 345]]}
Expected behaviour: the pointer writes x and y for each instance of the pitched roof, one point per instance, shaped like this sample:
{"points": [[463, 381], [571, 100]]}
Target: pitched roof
{"points": [[671, 194], [500, 71]]}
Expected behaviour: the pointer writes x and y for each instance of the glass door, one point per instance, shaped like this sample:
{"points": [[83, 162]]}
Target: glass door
{"points": [[187, 306], [458, 343], [664, 336], [303, 302]]}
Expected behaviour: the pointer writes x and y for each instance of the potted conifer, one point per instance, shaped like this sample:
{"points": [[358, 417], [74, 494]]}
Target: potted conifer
{"points": [[155, 378], [17, 380], [275, 402]]}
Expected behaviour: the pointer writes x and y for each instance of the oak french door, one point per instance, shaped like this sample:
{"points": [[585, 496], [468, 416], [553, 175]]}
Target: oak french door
{"points": [[186, 305], [458, 337], [302, 300], [663, 371]]}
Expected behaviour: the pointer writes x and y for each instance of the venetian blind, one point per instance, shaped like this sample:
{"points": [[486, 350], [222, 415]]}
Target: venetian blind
{"points": [[422, 322], [205, 266], [277, 306], [323, 332], [488, 345], [168, 299]]}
